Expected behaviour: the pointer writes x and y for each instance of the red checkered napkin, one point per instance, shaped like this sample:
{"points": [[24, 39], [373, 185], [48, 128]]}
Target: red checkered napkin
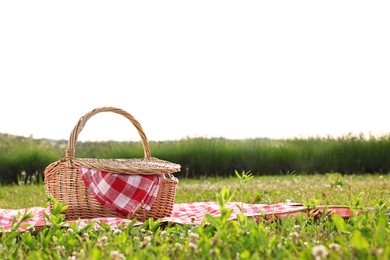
{"points": [[124, 193]]}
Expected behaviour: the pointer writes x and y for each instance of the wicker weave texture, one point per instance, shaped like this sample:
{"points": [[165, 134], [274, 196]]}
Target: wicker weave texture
{"points": [[63, 180]]}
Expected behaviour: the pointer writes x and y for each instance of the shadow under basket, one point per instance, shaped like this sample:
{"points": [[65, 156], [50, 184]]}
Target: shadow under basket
{"points": [[64, 182]]}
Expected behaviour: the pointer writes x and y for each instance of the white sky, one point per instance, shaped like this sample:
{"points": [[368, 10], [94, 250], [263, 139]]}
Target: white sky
{"points": [[234, 69]]}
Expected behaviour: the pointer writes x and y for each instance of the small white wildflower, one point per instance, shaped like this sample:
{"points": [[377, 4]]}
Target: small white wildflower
{"points": [[116, 255], [102, 242], [294, 235], [319, 252], [193, 246], [103, 239], [288, 201], [116, 231], [60, 249], [178, 246], [76, 255], [147, 238], [85, 236], [193, 236], [146, 241], [163, 233]]}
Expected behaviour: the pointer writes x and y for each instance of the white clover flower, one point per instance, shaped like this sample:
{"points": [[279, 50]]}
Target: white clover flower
{"points": [[116, 231], [103, 239], [60, 249], [76, 255], [247, 233], [294, 235], [379, 251], [319, 252], [178, 246], [193, 236], [116, 255], [146, 241], [193, 246], [102, 242], [85, 236]]}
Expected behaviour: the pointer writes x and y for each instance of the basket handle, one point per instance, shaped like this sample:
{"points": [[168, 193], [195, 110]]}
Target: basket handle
{"points": [[70, 151]]}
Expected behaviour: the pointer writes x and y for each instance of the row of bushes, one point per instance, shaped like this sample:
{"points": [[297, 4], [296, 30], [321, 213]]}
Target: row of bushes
{"points": [[217, 156]]}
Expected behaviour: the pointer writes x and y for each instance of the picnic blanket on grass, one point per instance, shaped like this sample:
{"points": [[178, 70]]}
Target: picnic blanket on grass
{"points": [[183, 213]]}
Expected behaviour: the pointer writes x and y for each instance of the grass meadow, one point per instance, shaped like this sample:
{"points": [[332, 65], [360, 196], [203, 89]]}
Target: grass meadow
{"points": [[348, 171], [363, 236]]}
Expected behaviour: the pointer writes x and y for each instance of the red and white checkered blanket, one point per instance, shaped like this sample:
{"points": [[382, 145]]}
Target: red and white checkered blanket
{"points": [[122, 192], [184, 213]]}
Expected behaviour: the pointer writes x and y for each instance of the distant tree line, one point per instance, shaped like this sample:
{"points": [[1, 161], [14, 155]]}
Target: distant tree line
{"points": [[24, 159]]}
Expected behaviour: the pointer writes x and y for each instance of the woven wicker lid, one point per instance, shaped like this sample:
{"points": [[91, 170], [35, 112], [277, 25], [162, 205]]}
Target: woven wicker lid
{"points": [[146, 165], [141, 166]]}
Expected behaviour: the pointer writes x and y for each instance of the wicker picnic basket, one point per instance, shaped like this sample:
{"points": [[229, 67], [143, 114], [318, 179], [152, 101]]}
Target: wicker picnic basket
{"points": [[64, 183]]}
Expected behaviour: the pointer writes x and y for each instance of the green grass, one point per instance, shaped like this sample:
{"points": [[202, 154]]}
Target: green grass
{"points": [[23, 196], [363, 236], [332, 188], [326, 189]]}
